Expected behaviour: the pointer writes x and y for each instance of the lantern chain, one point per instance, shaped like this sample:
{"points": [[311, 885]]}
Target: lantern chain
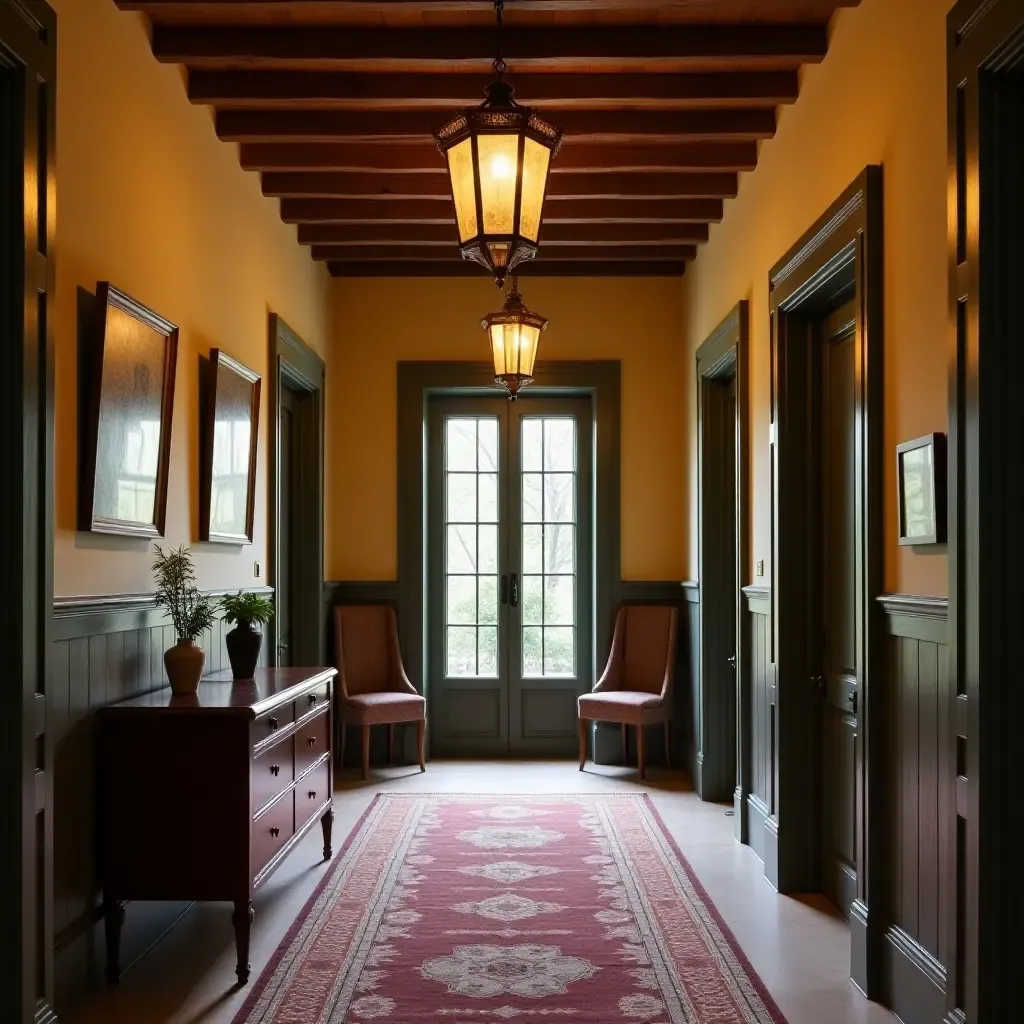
{"points": [[499, 65]]}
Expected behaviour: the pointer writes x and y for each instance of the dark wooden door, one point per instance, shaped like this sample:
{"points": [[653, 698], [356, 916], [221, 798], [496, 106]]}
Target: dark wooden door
{"points": [[286, 566], [837, 464], [510, 642], [27, 118]]}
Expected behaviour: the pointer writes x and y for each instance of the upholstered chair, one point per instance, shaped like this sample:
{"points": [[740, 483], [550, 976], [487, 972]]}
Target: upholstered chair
{"points": [[636, 687], [372, 687]]}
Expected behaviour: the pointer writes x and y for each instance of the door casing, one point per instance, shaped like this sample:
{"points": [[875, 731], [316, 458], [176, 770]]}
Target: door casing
{"points": [[842, 250]]}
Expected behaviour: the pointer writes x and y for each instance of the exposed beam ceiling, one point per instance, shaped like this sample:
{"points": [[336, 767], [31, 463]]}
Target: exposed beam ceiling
{"points": [[664, 103]]}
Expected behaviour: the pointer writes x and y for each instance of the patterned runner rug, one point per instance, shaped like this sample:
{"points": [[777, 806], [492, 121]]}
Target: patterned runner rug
{"points": [[487, 909]]}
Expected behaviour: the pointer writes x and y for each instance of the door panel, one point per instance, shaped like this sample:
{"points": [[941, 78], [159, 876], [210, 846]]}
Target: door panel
{"points": [[838, 587], [284, 572], [511, 608]]}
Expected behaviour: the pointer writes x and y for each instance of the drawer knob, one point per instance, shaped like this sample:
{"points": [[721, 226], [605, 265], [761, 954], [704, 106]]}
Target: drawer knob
{"points": [[273, 723], [312, 698], [312, 794], [274, 769], [275, 831], [311, 741]]}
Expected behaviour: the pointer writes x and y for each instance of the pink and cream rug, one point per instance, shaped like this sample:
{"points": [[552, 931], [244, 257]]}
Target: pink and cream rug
{"points": [[488, 909]]}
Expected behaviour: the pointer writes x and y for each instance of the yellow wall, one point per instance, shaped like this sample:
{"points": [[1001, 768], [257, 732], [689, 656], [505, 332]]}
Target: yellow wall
{"points": [[380, 322], [149, 199], [879, 97]]}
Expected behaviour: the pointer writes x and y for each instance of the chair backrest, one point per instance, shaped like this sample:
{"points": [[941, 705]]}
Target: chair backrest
{"points": [[362, 647], [649, 631]]}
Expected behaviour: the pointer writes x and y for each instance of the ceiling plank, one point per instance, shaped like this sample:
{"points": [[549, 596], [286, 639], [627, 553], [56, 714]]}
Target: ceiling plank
{"points": [[389, 188], [330, 90], [428, 254], [424, 158], [637, 125], [567, 211], [443, 236], [535, 268], [617, 47]]}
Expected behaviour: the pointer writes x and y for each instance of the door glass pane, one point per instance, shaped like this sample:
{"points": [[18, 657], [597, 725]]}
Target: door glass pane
{"points": [[471, 546], [549, 480]]}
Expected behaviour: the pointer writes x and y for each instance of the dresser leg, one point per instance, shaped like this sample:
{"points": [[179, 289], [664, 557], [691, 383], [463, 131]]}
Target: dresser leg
{"points": [[242, 920], [327, 824], [113, 920]]}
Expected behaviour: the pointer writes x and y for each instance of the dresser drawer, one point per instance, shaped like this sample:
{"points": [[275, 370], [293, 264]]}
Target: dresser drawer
{"points": [[311, 793], [311, 740], [272, 773], [266, 726], [318, 697], [271, 830]]}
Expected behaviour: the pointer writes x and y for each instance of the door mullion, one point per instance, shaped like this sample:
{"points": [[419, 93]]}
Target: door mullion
{"points": [[512, 543]]}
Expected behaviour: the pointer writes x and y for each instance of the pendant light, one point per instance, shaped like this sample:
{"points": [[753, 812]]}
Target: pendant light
{"points": [[498, 157], [514, 334]]}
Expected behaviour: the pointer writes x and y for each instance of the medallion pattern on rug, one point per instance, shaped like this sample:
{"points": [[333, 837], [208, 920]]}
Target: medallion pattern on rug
{"points": [[488, 908]]}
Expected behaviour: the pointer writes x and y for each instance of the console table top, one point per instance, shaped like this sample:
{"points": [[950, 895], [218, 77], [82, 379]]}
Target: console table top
{"points": [[219, 692]]}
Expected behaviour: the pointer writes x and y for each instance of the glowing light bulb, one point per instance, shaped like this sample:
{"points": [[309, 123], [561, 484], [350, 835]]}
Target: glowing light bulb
{"points": [[501, 167]]}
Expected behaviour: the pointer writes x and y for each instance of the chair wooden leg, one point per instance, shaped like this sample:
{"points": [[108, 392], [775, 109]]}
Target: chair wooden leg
{"points": [[391, 741], [421, 733], [640, 751], [625, 743], [668, 744], [583, 742], [366, 752]]}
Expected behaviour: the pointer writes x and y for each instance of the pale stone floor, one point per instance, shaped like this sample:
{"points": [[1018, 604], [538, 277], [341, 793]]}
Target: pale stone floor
{"points": [[799, 947]]}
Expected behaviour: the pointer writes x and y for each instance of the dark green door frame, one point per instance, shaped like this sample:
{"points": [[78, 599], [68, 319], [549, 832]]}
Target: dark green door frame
{"points": [[842, 251], [723, 712], [417, 383]]}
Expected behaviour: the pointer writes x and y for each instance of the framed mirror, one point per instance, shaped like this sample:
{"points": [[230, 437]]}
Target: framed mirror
{"points": [[921, 490], [128, 404], [230, 425]]}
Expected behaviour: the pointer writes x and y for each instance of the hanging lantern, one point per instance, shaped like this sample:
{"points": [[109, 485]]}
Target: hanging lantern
{"points": [[514, 334], [498, 158]]}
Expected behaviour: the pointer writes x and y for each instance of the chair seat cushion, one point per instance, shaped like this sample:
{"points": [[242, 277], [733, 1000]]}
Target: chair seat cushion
{"points": [[380, 708], [633, 707]]}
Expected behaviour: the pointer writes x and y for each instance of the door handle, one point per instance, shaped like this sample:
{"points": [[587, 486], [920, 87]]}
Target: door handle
{"points": [[851, 699], [504, 589], [819, 681], [514, 597], [732, 660]]}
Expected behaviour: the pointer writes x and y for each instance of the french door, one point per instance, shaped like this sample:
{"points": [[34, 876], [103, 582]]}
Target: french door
{"points": [[510, 573]]}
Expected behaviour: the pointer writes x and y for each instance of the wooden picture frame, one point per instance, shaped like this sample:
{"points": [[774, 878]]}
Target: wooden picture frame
{"points": [[129, 405], [921, 490], [229, 438]]}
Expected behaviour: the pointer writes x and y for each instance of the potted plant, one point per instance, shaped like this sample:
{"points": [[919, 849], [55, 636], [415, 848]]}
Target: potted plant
{"points": [[191, 613], [244, 642]]}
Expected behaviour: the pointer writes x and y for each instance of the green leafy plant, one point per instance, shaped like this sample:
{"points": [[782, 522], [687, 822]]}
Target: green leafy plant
{"points": [[176, 591], [246, 609]]}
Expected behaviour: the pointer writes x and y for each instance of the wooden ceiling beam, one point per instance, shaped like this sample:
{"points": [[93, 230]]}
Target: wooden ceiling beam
{"points": [[534, 268], [330, 90], [443, 236], [556, 47], [596, 125], [443, 254], [288, 161], [566, 211], [389, 188]]}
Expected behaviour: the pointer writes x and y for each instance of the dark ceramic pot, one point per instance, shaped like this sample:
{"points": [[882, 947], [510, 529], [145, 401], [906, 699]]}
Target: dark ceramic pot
{"points": [[244, 643]]}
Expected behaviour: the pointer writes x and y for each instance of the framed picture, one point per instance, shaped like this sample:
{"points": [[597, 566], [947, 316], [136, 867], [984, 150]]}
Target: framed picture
{"points": [[129, 401], [921, 487], [231, 416]]}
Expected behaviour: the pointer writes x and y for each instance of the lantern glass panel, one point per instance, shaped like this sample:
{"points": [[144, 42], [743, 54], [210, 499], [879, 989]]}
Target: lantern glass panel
{"points": [[499, 170], [460, 169], [535, 175]]}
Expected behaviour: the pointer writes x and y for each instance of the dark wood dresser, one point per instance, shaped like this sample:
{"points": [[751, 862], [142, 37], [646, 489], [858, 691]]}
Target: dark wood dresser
{"points": [[201, 798]]}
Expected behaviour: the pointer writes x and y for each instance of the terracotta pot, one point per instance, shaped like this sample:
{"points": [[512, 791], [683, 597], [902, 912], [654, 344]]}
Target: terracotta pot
{"points": [[184, 664], [244, 643]]}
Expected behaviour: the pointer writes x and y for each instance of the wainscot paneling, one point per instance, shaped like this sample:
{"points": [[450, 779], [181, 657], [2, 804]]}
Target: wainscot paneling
{"points": [[920, 768], [758, 681], [105, 649]]}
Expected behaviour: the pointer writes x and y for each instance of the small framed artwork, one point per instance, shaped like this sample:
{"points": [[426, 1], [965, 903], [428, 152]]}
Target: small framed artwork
{"points": [[921, 488], [128, 404], [231, 416]]}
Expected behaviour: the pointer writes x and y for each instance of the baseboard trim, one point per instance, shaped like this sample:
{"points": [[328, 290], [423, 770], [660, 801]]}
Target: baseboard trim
{"points": [[914, 982], [757, 815], [770, 857]]}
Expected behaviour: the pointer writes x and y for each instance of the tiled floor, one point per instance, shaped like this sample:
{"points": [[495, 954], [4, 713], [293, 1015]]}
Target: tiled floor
{"points": [[799, 948]]}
